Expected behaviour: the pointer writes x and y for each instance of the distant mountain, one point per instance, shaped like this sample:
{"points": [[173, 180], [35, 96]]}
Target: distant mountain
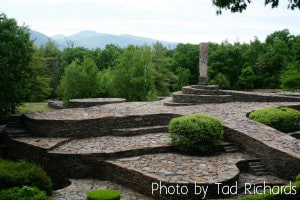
{"points": [[38, 38], [93, 40]]}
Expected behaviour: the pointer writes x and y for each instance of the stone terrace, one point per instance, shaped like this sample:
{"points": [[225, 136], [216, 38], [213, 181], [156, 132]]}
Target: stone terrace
{"points": [[138, 157]]}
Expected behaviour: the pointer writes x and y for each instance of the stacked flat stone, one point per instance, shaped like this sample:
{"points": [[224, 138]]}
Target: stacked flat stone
{"points": [[199, 94]]}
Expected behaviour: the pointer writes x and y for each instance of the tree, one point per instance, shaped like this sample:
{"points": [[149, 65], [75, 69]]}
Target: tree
{"points": [[164, 78], [16, 51], [247, 78], [108, 57], [290, 78], [186, 57], [241, 5], [40, 85], [133, 75], [80, 80]]}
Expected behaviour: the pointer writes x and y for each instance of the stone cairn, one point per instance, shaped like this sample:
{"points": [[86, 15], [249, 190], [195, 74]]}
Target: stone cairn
{"points": [[201, 93]]}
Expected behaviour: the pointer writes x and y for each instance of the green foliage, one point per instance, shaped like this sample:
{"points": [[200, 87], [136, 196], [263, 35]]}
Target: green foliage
{"points": [[164, 78], [108, 57], [80, 80], [247, 78], [18, 174], [283, 119], [33, 106], [186, 58], [221, 80], [290, 78], [103, 195], [241, 5], [24, 193], [197, 133], [39, 87], [133, 75], [15, 55]]}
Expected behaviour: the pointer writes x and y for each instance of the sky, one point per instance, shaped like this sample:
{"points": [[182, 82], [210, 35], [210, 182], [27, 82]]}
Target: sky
{"points": [[184, 21]]}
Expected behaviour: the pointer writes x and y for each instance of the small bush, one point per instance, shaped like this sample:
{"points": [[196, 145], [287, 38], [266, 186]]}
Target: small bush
{"points": [[24, 193], [197, 133], [103, 195], [283, 119], [19, 174]]}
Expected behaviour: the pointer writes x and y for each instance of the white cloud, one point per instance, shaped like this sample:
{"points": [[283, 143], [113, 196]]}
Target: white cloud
{"points": [[173, 20]]}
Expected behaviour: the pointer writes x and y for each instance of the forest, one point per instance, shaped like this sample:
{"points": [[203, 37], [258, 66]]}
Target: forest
{"points": [[141, 73], [137, 73]]}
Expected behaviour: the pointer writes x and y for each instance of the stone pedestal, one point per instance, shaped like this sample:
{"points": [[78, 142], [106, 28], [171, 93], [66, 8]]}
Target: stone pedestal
{"points": [[203, 80], [203, 57]]}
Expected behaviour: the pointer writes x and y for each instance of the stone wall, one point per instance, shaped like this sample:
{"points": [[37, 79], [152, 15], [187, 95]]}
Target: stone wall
{"points": [[93, 127], [243, 96], [84, 103], [143, 184], [277, 162]]}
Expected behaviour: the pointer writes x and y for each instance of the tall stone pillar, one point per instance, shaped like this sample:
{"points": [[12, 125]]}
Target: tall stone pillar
{"points": [[203, 57]]}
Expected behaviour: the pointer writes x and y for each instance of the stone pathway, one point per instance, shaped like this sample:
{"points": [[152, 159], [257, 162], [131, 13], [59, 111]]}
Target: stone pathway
{"points": [[80, 187], [178, 168], [112, 144]]}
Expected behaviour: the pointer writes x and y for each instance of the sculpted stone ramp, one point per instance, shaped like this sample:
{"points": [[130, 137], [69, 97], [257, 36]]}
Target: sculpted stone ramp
{"points": [[135, 160]]}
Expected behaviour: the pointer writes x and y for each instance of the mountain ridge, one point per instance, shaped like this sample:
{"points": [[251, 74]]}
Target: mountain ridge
{"points": [[91, 39]]}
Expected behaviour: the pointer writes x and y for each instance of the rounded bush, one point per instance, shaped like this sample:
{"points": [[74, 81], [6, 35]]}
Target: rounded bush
{"points": [[103, 195], [283, 119], [18, 174], [197, 133], [24, 193]]}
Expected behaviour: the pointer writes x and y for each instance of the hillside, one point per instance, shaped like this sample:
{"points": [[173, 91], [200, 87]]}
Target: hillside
{"points": [[93, 40]]}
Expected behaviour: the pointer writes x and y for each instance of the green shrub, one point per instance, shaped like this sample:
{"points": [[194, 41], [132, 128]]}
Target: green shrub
{"points": [[19, 174], [197, 133], [103, 195], [24, 193], [283, 119]]}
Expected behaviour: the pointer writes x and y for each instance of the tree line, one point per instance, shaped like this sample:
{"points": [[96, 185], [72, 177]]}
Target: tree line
{"points": [[137, 73], [140, 73]]}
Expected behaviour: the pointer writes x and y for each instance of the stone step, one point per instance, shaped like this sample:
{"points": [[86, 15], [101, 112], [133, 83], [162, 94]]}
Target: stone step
{"points": [[143, 172], [141, 130], [170, 103], [229, 147], [192, 90], [206, 87], [258, 168], [178, 97], [15, 121], [16, 132], [109, 147]]}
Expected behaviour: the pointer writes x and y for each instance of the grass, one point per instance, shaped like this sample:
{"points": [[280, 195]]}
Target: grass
{"points": [[33, 106]]}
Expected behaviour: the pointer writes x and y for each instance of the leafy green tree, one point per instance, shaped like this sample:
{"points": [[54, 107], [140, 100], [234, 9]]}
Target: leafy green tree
{"points": [[186, 56], [221, 80], [15, 55], [241, 5], [80, 80], [40, 85], [52, 57], [108, 57], [290, 78], [247, 78], [164, 78], [133, 75], [228, 60], [70, 54]]}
